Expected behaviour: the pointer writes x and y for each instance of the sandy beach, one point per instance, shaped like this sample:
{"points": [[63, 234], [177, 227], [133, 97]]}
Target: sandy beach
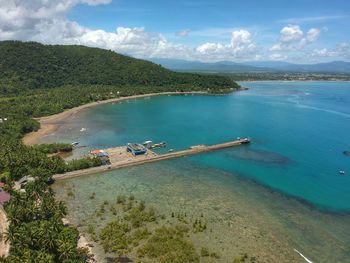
{"points": [[50, 124], [4, 224], [82, 243]]}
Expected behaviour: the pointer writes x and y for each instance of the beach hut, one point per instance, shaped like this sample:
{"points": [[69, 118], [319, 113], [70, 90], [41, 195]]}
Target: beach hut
{"points": [[95, 152], [136, 149], [102, 155]]}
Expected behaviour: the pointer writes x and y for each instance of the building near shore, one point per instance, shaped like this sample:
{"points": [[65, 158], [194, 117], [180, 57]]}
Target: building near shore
{"points": [[136, 148], [102, 155]]}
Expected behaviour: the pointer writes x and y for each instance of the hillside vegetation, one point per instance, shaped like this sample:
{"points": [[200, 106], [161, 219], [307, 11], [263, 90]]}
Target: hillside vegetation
{"points": [[33, 66]]}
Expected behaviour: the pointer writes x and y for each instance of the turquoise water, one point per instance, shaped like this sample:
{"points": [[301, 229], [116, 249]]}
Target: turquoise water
{"points": [[242, 217], [299, 131]]}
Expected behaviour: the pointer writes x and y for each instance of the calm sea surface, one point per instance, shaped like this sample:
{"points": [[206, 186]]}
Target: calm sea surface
{"points": [[286, 183]]}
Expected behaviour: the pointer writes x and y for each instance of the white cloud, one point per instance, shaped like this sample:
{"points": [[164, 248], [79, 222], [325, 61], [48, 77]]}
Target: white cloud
{"points": [[134, 41], [313, 34], [297, 20], [45, 21], [241, 46], [291, 33], [182, 33], [342, 51], [21, 19], [324, 52], [292, 38], [277, 47], [210, 48], [278, 57], [96, 2], [343, 47], [242, 41]]}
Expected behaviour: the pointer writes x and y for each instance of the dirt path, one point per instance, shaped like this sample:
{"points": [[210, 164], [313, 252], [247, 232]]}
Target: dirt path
{"points": [[4, 224]]}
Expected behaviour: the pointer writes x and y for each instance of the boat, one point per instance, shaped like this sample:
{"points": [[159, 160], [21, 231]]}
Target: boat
{"points": [[74, 143], [147, 144], [342, 172], [171, 150], [245, 140], [159, 145]]}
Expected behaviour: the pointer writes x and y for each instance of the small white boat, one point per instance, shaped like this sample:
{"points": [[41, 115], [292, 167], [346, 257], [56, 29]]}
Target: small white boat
{"points": [[82, 129], [342, 172], [148, 144], [74, 143], [171, 150]]}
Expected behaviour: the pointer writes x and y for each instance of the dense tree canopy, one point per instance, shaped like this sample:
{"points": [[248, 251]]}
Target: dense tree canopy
{"points": [[44, 66]]}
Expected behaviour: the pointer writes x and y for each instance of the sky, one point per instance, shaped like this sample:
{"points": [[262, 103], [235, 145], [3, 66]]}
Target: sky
{"points": [[299, 31]]}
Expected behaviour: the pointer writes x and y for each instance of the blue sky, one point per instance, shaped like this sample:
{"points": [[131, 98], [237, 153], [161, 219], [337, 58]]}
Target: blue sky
{"points": [[202, 17], [298, 31]]}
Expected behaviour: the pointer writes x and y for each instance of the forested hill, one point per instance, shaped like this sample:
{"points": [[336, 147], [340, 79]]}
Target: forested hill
{"points": [[35, 65]]}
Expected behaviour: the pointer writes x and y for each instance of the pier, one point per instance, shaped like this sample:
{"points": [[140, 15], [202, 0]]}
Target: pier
{"points": [[120, 157]]}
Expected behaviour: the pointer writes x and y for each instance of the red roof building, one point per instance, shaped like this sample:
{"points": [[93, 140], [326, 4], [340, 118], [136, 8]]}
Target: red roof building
{"points": [[4, 196]]}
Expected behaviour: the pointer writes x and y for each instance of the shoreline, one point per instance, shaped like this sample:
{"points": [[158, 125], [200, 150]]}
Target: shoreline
{"points": [[50, 124], [82, 242], [296, 80]]}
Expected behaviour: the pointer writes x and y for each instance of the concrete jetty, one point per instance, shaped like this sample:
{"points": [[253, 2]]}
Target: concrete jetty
{"points": [[121, 158]]}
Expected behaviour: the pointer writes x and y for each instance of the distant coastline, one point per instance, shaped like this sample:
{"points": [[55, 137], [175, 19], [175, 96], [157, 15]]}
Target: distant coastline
{"points": [[281, 80], [50, 124]]}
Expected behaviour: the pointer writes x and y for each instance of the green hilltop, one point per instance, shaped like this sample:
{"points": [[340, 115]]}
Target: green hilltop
{"points": [[35, 65]]}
